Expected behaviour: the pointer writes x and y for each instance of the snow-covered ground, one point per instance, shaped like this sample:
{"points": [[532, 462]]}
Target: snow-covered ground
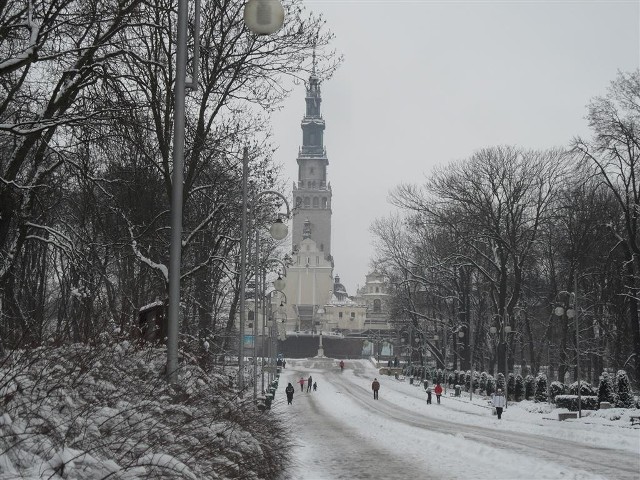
{"points": [[342, 432]]}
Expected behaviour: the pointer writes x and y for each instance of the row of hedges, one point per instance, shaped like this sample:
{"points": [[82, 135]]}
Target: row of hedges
{"points": [[614, 389]]}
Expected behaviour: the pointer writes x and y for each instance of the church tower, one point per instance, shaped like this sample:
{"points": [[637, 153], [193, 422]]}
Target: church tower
{"points": [[312, 193], [310, 276]]}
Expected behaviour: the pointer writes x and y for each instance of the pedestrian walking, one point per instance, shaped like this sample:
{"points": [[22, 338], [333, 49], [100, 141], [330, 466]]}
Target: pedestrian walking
{"points": [[375, 386], [499, 402], [284, 363], [428, 395], [301, 382], [315, 386], [438, 391], [289, 391], [309, 383]]}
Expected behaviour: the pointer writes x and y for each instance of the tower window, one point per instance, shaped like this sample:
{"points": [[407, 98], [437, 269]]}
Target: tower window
{"points": [[307, 201], [377, 289], [340, 315], [377, 305], [316, 202], [311, 171], [324, 202]]}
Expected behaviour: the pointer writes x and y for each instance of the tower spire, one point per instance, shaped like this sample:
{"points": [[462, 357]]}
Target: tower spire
{"points": [[313, 68]]}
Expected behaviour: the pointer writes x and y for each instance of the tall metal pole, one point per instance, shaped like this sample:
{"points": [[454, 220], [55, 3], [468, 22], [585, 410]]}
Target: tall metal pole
{"points": [[243, 267], [177, 180], [575, 316], [258, 299]]}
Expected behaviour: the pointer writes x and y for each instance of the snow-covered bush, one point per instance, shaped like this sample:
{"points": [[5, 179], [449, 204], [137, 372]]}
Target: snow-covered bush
{"points": [[500, 382], [482, 383], [541, 388], [585, 389], [623, 390], [518, 390], [108, 412], [556, 388], [467, 380], [570, 402], [606, 390], [529, 386], [491, 385], [511, 385]]}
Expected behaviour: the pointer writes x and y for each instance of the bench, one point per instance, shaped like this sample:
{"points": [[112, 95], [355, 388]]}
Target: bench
{"points": [[565, 415], [635, 419]]}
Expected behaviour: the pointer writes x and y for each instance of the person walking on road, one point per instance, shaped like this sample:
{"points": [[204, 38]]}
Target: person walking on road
{"points": [[301, 382], [438, 391], [309, 383], [315, 386], [428, 395], [499, 402], [375, 386], [341, 365], [289, 391]]}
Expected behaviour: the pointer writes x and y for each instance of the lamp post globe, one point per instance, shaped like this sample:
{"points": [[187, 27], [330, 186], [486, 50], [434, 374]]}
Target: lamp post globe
{"points": [[279, 230], [263, 17], [493, 330], [279, 284]]}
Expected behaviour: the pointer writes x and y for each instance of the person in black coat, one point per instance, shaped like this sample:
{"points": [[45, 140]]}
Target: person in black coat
{"points": [[289, 391]]}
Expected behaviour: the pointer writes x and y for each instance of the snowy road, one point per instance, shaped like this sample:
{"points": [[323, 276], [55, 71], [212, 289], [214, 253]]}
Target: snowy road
{"points": [[341, 432]]}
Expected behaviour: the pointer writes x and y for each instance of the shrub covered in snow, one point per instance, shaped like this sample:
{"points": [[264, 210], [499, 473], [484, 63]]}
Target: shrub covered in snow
{"points": [[491, 385], [541, 388], [518, 391], [482, 383], [606, 390], [585, 389], [529, 387], [500, 381], [556, 388], [623, 390], [106, 411], [570, 402], [511, 385]]}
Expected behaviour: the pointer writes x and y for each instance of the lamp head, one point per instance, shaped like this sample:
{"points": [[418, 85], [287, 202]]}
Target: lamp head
{"points": [[493, 330], [278, 230], [263, 17], [558, 311], [507, 329], [279, 284]]}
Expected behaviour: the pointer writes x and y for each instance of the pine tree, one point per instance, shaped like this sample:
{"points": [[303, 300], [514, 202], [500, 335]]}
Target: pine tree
{"points": [[606, 391], [500, 383], [541, 388], [491, 385], [483, 382], [518, 390], [511, 385], [529, 386], [623, 390]]}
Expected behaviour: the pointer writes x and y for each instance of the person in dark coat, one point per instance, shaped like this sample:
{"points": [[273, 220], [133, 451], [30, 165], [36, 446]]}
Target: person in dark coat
{"points": [[315, 386], [375, 386], [289, 391], [428, 395], [309, 383]]}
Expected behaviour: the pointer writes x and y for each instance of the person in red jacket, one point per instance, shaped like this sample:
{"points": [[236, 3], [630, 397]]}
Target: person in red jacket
{"points": [[438, 391]]}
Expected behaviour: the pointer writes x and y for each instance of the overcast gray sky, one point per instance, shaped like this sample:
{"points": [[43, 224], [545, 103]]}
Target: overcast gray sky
{"points": [[427, 82]]}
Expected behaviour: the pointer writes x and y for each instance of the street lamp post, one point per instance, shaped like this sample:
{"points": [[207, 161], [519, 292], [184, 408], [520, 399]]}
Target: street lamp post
{"points": [[278, 231], [320, 313], [505, 329], [571, 310], [262, 17]]}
